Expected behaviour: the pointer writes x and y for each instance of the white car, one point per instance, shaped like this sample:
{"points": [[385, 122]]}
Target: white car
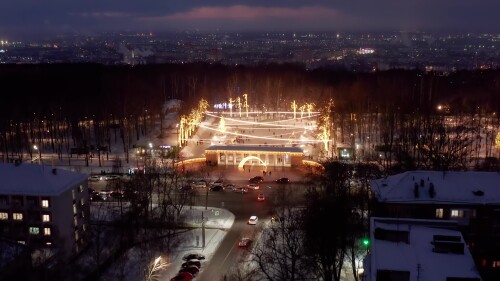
{"points": [[200, 184], [253, 186], [253, 220]]}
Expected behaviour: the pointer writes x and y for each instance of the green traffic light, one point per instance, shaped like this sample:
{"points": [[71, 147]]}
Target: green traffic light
{"points": [[366, 242]]}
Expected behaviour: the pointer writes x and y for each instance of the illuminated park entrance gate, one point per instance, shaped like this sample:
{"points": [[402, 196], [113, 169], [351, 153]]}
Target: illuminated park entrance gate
{"points": [[254, 155]]}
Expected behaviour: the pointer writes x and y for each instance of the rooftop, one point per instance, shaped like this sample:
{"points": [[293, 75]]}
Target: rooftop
{"points": [[431, 187], [36, 180], [254, 148], [422, 254]]}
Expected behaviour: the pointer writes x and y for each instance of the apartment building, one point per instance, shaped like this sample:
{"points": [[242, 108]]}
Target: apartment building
{"points": [[44, 207]]}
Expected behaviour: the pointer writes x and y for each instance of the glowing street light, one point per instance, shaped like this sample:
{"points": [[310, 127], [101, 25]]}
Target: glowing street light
{"points": [[302, 109], [231, 106], [151, 272], [246, 103], [294, 107], [310, 107], [239, 104]]}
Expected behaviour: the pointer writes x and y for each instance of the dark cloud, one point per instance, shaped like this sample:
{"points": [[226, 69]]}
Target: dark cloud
{"points": [[25, 17]]}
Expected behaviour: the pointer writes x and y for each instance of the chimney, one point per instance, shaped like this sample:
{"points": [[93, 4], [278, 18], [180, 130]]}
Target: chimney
{"points": [[54, 171]]}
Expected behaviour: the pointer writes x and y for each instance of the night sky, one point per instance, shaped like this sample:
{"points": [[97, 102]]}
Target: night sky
{"points": [[28, 18]]}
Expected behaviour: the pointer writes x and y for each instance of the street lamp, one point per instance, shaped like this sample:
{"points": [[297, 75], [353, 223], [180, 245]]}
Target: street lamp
{"points": [[35, 147], [151, 272]]}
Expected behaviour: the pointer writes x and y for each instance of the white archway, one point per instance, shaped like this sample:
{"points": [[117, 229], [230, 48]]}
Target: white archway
{"points": [[244, 160]]}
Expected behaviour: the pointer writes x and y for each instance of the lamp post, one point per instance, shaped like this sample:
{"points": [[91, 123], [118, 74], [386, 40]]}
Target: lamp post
{"points": [[151, 272], [39, 152]]}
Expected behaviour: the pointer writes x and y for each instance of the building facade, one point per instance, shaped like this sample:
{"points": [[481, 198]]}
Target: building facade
{"points": [[44, 207], [254, 155]]}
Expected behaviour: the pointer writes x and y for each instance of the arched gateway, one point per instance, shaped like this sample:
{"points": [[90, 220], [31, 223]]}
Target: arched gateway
{"points": [[268, 156]]}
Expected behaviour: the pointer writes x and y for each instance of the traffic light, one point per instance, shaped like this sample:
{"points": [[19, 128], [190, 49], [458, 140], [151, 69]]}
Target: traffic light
{"points": [[366, 242]]}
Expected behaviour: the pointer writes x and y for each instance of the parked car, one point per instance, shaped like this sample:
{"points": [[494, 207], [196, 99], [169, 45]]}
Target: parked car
{"points": [[241, 190], [105, 193], [216, 188], [191, 269], [229, 186], [244, 242], [112, 177], [193, 256], [256, 179], [192, 263], [261, 197], [219, 182], [187, 188], [200, 184], [253, 186], [94, 178], [283, 180], [253, 220], [182, 276], [96, 197], [117, 194]]}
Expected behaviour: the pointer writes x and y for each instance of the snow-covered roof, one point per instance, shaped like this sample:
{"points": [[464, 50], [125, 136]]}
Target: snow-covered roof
{"points": [[36, 180], [417, 256], [254, 148], [449, 188]]}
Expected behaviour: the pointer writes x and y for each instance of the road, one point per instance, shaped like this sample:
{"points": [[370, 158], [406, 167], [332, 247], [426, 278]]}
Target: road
{"points": [[242, 206]]}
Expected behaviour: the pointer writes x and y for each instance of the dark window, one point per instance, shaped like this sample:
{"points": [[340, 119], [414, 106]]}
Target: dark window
{"points": [[393, 275], [4, 200], [392, 235]]}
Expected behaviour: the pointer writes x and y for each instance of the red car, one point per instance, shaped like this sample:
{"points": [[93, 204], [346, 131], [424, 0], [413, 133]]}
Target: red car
{"points": [[190, 269], [182, 276], [244, 242]]}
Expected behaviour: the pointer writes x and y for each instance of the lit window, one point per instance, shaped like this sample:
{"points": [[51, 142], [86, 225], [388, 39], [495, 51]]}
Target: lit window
{"points": [[83, 214], [496, 264], [46, 218], [21, 242], [45, 203], [439, 213], [82, 201], [457, 213], [34, 230], [77, 236], [17, 216], [74, 193], [84, 227], [4, 216], [46, 231], [74, 209], [76, 221], [80, 188]]}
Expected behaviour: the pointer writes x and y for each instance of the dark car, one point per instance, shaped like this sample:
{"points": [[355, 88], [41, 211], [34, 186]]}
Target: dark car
{"points": [[216, 188], [187, 188], [192, 263], [193, 256], [191, 269], [283, 180], [96, 197], [257, 179], [117, 195]]}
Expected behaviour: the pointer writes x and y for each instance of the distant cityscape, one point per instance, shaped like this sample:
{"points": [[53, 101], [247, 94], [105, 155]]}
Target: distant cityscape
{"points": [[357, 52]]}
